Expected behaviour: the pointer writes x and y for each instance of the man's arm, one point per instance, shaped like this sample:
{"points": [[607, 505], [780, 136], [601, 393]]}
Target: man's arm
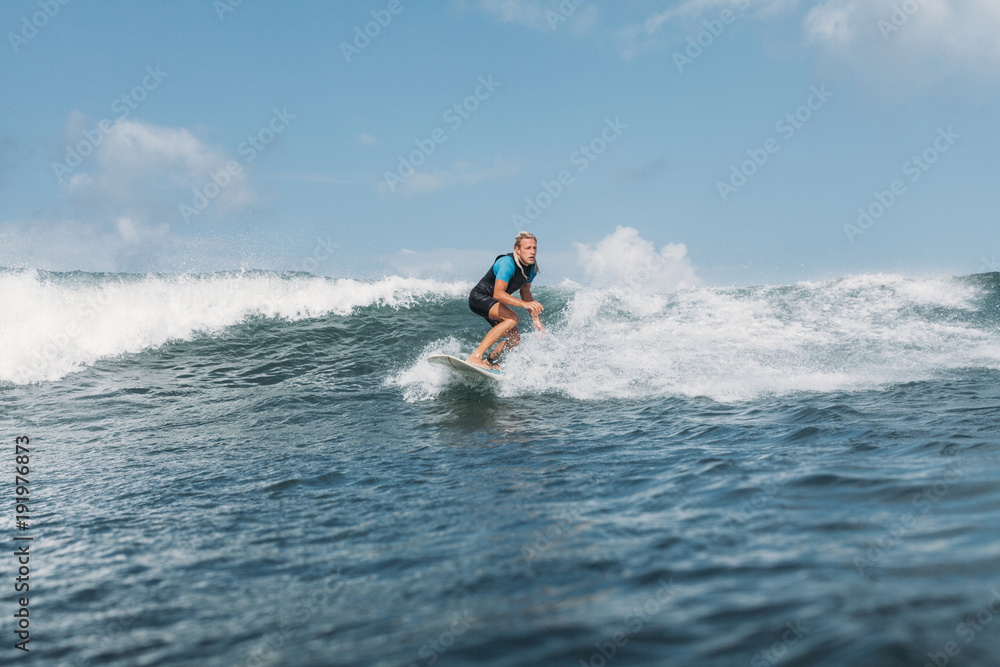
{"points": [[527, 298], [500, 294]]}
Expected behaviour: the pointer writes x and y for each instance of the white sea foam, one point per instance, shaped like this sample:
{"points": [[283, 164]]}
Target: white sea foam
{"points": [[423, 381], [57, 324], [732, 344]]}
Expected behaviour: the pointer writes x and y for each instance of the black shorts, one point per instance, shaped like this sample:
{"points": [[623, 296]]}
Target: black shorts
{"points": [[480, 303]]}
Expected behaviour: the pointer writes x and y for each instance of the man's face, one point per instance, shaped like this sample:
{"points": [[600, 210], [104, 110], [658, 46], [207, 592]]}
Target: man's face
{"points": [[526, 253]]}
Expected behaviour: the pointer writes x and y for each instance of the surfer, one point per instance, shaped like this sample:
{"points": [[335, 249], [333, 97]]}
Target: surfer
{"points": [[493, 297]]}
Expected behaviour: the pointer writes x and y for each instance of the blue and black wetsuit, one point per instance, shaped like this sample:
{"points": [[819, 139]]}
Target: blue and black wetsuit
{"points": [[481, 298]]}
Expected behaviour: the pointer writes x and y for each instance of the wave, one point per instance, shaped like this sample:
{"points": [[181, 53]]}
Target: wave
{"points": [[57, 323], [732, 344], [729, 344]]}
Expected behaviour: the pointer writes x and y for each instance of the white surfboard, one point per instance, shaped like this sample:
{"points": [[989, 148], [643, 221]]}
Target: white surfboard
{"points": [[464, 367]]}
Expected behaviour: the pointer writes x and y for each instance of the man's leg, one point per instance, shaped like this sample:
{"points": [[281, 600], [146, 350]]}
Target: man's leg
{"points": [[508, 342], [508, 320]]}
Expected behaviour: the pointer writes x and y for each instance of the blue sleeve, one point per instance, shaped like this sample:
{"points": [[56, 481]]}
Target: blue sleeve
{"points": [[503, 269]]}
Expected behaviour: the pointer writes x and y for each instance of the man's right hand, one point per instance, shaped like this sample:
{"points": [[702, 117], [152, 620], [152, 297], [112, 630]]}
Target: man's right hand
{"points": [[534, 308]]}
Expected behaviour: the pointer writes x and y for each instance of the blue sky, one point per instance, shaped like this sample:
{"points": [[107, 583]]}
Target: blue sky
{"points": [[644, 108]]}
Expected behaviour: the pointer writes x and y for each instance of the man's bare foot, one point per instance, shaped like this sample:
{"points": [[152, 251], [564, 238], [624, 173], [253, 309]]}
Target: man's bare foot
{"points": [[478, 361], [484, 363]]}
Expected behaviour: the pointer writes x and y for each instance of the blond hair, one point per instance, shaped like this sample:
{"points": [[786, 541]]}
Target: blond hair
{"points": [[517, 244]]}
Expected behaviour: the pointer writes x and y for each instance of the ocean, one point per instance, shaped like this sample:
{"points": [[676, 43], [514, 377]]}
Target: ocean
{"points": [[257, 468]]}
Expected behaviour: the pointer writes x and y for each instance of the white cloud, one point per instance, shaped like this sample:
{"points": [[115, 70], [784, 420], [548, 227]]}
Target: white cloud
{"points": [[909, 40], [134, 145], [830, 22], [127, 229], [73, 245], [122, 199], [899, 45], [625, 258], [129, 245], [669, 27], [125, 192], [145, 170]]}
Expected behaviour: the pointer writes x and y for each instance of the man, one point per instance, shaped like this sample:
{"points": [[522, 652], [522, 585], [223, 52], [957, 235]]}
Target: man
{"points": [[493, 297]]}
